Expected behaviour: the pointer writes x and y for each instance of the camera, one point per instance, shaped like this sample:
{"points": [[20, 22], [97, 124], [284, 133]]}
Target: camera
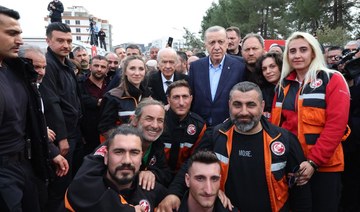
{"points": [[350, 65]]}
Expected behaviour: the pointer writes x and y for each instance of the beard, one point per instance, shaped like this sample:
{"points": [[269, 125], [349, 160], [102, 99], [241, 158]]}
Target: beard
{"points": [[124, 179], [84, 64], [98, 76], [243, 126]]}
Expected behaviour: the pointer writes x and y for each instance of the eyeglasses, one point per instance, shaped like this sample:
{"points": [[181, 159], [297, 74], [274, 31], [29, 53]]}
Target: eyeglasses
{"points": [[334, 57]]}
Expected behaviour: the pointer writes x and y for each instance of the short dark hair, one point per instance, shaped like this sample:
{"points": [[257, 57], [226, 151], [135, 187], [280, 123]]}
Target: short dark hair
{"points": [[183, 55], [200, 54], [246, 86], [99, 57], [278, 61], [177, 84], [124, 129], [235, 29], [203, 156], [133, 46], [332, 48], [57, 26], [9, 12]]}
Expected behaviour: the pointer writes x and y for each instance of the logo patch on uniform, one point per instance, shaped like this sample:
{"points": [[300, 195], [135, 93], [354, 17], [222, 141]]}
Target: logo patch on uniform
{"points": [[152, 161], [144, 203], [278, 148], [101, 151], [315, 84], [191, 129]]}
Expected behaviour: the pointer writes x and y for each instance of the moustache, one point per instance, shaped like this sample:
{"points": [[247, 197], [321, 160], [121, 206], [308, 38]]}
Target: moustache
{"points": [[125, 167]]}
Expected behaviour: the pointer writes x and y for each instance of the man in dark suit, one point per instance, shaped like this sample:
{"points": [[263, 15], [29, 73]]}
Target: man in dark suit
{"points": [[159, 81], [211, 78]]}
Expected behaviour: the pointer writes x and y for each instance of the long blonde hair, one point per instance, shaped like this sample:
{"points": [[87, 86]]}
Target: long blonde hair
{"points": [[317, 64]]}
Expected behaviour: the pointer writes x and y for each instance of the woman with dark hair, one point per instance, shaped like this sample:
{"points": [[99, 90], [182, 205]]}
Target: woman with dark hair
{"points": [[118, 104], [269, 71]]}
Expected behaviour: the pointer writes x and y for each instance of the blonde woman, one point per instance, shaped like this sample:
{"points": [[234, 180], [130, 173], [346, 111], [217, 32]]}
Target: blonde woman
{"points": [[313, 102]]}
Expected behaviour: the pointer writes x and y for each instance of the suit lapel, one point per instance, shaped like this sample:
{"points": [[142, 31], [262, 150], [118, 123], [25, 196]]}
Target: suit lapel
{"points": [[161, 85]]}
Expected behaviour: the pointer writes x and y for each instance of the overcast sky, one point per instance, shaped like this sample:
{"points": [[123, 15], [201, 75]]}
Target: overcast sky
{"points": [[139, 21]]}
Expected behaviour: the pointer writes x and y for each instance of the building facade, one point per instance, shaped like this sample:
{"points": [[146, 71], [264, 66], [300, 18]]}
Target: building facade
{"points": [[79, 19]]}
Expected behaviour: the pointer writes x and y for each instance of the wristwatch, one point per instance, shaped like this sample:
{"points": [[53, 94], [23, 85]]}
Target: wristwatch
{"points": [[313, 164]]}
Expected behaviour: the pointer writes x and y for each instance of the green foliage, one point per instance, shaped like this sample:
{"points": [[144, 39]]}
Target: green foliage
{"points": [[337, 36], [277, 19], [191, 41]]}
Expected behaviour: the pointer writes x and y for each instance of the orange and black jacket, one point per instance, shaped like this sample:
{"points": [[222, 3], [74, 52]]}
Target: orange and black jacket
{"points": [[91, 191], [118, 108], [181, 137], [318, 115], [276, 167]]}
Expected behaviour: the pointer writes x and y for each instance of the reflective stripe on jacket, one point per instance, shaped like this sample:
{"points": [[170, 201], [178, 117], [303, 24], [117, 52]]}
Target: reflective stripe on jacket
{"points": [[311, 107]]}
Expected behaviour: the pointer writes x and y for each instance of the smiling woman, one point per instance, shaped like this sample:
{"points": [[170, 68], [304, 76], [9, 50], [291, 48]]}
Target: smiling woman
{"points": [[118, 105]]}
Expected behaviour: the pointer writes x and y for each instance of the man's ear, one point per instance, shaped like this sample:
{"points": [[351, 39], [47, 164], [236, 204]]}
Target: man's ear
{"points": [[187, 180], [134, 122]]}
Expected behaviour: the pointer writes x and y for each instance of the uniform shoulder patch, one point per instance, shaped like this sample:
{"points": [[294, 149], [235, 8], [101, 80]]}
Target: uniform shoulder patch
{"points": [[191, 129], [145, 204], [278, 148], [316, 83], [101, 151]]}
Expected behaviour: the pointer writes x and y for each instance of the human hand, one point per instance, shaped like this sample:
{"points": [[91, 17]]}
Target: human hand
{"points": [[169, 203], [305, 173], [147, 180], [139, 208], [225, 200], [64, 147], [51, 134], [62, 166]]}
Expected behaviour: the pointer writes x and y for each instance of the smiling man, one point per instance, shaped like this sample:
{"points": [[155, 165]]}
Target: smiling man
{"points": [[115, 188], [149, 121], [256, 158]]}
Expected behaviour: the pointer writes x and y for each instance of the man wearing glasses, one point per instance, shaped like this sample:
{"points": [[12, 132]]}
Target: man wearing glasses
{"points": [[333, 56]]}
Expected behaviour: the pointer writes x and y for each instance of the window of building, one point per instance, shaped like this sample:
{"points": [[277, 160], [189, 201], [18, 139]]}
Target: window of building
{"points": [[77, 22], [78, 38], [67, 21], [78, 30]]}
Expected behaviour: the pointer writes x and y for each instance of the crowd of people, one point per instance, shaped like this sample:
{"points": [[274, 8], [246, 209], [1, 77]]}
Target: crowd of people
{"points": [[239, 129]]}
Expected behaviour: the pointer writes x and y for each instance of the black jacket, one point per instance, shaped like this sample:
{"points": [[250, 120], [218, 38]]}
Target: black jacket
{"points": [[59, 8], [299, 198], [90, 191], [42, 150], [117, 107], [61, 96], [181, 137], [156, 85]]}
